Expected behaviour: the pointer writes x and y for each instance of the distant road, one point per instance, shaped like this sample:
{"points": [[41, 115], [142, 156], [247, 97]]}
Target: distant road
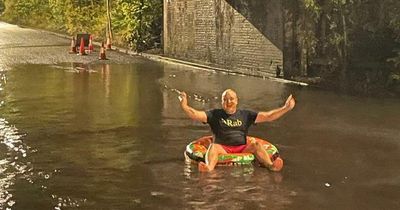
{"points": [[24, 45]]}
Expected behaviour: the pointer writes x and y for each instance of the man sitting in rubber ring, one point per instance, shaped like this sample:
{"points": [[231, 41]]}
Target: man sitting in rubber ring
{"points": [[230, 125]]}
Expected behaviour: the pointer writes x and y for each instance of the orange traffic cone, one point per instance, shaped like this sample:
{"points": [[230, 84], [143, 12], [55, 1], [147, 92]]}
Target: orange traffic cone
{"points": [[108, 43], [102, 55], [90, 44], [73, 48], [82, 48]]}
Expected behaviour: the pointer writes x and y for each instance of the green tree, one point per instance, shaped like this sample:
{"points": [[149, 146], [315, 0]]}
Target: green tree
{"points": [[138, 22], [1, 6], [349, 43]]}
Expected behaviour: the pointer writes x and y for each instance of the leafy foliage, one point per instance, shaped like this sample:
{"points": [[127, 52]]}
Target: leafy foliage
{"points": [[142, 17], [360, 38], [1, 6]]}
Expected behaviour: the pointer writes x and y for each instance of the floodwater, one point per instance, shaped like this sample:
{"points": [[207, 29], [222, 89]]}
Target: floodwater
{"points": [[80, 136]]}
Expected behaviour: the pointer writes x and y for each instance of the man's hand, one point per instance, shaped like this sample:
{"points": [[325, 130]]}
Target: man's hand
{"points": [[290, 102], [182, 98]]}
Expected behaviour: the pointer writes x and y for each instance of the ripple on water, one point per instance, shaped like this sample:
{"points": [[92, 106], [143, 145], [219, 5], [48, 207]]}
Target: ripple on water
{"points": [[11, 165], [15, 165], [68, 202]]}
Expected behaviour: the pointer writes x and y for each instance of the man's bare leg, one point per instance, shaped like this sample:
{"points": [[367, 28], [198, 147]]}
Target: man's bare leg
{"points": [[261, 154], [211, 157]]}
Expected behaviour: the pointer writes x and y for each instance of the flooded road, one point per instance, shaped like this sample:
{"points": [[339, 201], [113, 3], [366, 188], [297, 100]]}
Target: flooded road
{"points": [[82, 135]]}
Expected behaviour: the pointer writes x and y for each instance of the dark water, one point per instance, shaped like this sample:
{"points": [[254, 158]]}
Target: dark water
{"points": [[112, 137]]}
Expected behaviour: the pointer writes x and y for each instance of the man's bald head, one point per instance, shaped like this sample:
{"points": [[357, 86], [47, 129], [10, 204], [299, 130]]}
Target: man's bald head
{"points": [[229, 101], [229, 91]]}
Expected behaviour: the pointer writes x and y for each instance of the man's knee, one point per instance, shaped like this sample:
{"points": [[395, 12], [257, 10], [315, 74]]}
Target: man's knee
{"points": [[216, 149], [252, 146], [256, 146]]}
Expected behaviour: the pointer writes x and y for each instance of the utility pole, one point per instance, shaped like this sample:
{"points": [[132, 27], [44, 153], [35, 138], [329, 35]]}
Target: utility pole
{"points": [[109, 28], [139, 40]]}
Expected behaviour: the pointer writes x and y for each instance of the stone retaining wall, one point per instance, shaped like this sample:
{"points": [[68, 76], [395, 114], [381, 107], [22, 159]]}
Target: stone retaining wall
{"points": [[241, 35]]}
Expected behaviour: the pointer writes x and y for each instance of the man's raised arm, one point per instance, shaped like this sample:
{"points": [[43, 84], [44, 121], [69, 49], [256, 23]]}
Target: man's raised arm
{"points": [[191, 112], [276, 113]]}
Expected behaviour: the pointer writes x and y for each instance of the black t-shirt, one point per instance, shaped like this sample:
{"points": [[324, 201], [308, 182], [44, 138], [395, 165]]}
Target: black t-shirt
{"points": [[230, 129]]}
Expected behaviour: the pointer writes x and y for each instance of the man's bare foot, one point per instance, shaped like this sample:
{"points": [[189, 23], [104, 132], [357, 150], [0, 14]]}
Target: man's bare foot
{"points": [[203, 167], [277, 165]]}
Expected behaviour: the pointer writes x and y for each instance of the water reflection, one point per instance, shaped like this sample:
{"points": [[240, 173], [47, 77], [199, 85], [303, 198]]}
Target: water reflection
{"points": [[105, 74], [12, 163], [95, 122], [12, 150], [238, 187]]}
